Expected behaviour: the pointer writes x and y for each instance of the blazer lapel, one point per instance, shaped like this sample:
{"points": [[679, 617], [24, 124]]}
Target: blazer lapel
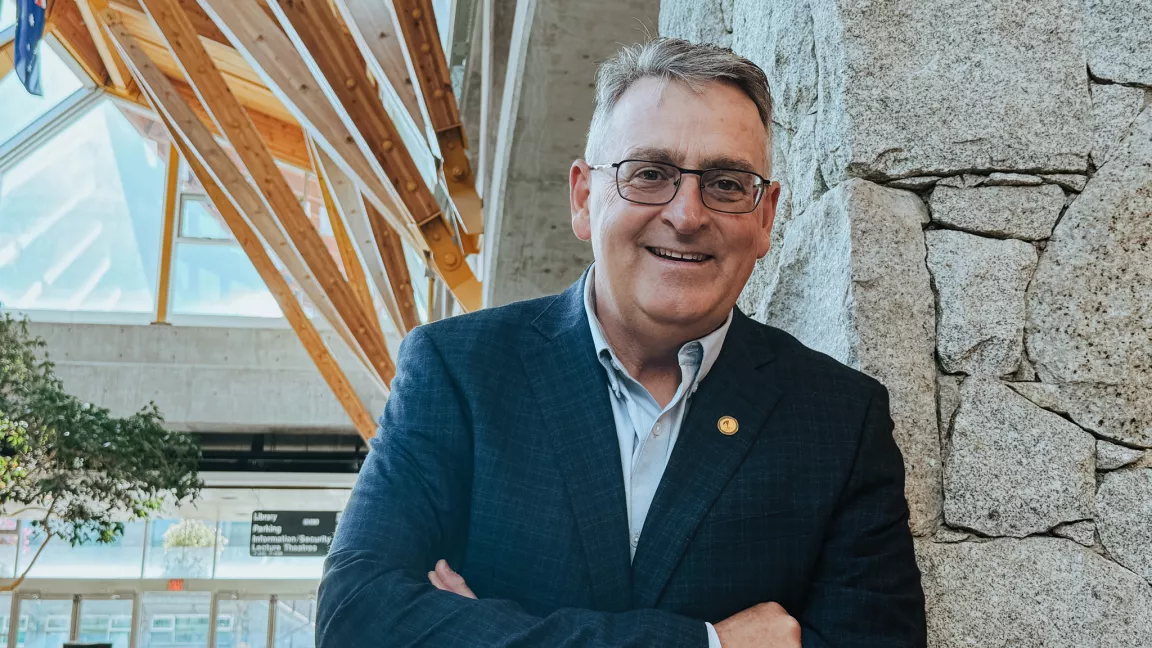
{"points": [[569, 383], [704, 459]]}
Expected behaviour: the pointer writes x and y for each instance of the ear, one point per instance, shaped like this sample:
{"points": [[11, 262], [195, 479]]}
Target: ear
{"points": [[579, 191], [767, 214]]}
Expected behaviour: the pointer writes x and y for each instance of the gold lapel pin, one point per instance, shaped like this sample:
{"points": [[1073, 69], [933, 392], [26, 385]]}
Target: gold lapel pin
{"points": [[728, 425]]}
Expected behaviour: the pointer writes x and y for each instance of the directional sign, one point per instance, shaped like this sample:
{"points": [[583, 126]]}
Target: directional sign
{"points": [[292, 533]]}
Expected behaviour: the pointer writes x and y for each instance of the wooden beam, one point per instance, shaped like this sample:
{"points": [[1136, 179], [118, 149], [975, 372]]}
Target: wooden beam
{"points": [[352, 208], [7, 58], [392, 254], [203, 24], [285, 140], [118, 75], [233, 120], [187, 126], [414, 53], [321, 37], [67, 24], [293, 312], [370, 25], [168, 238], [272, 55], [349, 258]]}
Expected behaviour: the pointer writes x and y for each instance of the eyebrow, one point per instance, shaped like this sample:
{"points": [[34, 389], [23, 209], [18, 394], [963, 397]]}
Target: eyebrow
{"points": [[654, 154]]}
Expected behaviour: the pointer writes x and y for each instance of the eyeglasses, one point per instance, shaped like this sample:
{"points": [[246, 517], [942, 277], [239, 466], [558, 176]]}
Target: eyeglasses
{"points": [[643, 182]]}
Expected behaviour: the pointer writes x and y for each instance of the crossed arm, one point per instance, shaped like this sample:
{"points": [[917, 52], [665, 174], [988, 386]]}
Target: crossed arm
{"points": [[408, 511]]}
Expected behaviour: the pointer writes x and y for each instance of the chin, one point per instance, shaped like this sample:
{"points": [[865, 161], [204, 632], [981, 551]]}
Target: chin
{"points": [[677, 311]]}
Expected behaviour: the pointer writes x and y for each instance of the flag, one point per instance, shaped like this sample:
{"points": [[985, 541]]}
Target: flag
{"points": [[29, 30]]}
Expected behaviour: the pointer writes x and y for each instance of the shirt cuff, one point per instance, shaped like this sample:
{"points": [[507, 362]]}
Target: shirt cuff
{"points": [[713, 638]]}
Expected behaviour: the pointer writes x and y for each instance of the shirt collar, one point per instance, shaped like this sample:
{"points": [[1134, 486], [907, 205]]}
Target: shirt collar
{"points": [[709, 345]]}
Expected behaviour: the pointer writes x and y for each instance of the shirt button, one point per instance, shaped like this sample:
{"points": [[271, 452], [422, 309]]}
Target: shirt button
{"points": [[657, 429], [635, 540]]}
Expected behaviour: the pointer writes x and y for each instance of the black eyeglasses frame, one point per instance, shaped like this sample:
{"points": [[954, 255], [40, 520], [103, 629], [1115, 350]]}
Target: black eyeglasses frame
{"points": [[764, 182]]}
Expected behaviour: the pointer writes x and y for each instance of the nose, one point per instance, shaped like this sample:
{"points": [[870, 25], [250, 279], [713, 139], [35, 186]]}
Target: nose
{"points": [[686, 213]]}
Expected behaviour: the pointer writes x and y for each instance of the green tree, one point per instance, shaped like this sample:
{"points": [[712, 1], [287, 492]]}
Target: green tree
{"points": [[77, 471]]}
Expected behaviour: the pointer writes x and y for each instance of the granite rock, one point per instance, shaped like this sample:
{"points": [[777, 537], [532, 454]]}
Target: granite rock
{"points": [[1023, 212], [700, 21], [1015, 469], [980, 286], [1118, 40], [1070, 181], [1031, 593], [1124, 516], [1114, 107], [1110, 456], [1082, 532], [930, 88], [1089, 312], [1042, 394]]}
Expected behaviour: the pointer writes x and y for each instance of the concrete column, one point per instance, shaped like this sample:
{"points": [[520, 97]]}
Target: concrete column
{"points": [[547, 101]]}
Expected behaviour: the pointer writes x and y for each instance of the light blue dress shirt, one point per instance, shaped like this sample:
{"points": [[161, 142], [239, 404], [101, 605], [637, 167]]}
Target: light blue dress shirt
{"points": [[646, 432]]}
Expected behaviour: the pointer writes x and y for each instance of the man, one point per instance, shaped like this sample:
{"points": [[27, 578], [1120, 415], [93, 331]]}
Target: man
{"points": [[635, 462]]}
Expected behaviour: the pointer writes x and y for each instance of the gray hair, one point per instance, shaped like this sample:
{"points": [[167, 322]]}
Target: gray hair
{"points": [[672, 59]]}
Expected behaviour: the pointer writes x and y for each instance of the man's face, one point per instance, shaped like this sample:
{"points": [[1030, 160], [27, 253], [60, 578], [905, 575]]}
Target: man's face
{"points": [[718, 128]]}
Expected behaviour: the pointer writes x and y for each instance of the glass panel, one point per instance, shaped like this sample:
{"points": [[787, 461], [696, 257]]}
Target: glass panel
{"points": [[5, 610], [295, 624], [7, 14], [19, 108], [174, 620], [218, 279], [91, 243], [235, 561], [242, 624], [180, 549], [9, 541], [119, 559], [106, 621], [44, 623], [201, 220]]}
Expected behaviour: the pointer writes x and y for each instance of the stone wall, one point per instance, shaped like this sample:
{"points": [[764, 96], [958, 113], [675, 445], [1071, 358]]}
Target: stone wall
{"points": [[967, 216]]}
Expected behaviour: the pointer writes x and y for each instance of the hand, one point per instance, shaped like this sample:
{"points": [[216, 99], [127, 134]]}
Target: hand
{"points": [[449, 581], [766, 625]]}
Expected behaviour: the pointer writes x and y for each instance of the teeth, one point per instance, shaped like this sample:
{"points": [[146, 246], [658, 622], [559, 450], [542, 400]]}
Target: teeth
{"points": [[681, 256]]}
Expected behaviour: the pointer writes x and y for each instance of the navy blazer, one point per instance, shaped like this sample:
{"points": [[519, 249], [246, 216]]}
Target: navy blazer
{"points": [[498, 452]]}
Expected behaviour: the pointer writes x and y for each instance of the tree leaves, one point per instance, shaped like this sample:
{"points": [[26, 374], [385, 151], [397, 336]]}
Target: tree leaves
{"points": [[87, 470]]}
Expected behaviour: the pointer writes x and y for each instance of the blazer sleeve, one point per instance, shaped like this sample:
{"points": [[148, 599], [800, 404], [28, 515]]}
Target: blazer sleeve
{"points": [[867, 591], [408, 509]]}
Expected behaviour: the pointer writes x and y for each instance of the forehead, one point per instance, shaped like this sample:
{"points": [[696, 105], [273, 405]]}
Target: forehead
{"points": [[692, 128]]}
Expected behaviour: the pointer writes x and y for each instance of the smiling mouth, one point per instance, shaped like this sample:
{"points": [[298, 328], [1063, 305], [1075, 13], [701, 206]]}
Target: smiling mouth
{"points": [[682, 257]]}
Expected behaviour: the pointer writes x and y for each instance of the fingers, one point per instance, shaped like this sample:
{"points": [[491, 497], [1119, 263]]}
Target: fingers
{"points": [[443, 578]]}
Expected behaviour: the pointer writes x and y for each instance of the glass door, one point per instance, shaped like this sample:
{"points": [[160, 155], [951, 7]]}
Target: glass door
{"points": [[106, 620], [44, 622]]}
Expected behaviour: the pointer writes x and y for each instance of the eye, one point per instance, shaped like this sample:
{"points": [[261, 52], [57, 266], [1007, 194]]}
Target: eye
{"points": [[651, 174], [726, 184]]}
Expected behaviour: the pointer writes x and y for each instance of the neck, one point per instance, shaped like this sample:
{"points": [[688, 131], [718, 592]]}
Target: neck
{"points": [[648, 350]]}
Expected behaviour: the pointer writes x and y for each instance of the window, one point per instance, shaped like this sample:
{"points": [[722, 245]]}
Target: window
{"points": [[119, 559], [44, 623], [107, 621], [20, 109], [242, 623], [5, 608], [180, 549], [169, 619], [7, 14], [211, 273], [295, 624], [91, 243]]}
